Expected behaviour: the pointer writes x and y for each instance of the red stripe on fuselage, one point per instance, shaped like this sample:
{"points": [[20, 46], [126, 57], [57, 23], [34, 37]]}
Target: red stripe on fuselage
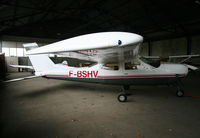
{"points": [[144, 76], [115, 77], [57, 75]]}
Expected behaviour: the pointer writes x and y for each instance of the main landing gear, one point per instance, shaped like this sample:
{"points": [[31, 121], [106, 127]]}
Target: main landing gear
{"points": [[122, 97]]}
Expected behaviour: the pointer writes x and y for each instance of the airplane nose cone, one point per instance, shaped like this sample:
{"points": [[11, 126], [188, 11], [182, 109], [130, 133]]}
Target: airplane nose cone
{"points": [[181, 69], [178, 69]]}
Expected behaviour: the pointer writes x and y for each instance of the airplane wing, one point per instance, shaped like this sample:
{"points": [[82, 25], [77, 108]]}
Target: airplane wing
{"points": [[105, 55], [184, 57], [169, 58], [21, 66], [107, 46], [150, 57], [82, 55]]}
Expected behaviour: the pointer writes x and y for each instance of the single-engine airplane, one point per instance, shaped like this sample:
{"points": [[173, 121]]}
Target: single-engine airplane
{"points": [[117, 62]]}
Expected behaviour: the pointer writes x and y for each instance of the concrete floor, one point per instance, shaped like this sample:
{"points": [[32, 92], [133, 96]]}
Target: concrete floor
{"points": [[41, 108]]}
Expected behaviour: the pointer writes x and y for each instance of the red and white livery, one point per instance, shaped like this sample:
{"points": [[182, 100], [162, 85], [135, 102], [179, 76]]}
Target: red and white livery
{"points": [[116, 57]]}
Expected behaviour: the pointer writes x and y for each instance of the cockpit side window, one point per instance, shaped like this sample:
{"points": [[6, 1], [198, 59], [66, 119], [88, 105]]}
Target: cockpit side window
{"points": [[111, 66], [130, 60], [132, 65], [129, 66]]}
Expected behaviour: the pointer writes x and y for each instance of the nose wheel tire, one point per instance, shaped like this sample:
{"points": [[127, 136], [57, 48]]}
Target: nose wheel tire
{"points": [[122, 97], [179, 93]]}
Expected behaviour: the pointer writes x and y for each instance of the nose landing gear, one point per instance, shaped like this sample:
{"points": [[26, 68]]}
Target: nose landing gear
{"points": [[179, 92], [122, 97]]}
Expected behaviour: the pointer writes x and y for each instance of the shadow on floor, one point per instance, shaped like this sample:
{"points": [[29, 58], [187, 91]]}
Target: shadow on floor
{"points": [[147, 91], [98, 88], [29, 129]]}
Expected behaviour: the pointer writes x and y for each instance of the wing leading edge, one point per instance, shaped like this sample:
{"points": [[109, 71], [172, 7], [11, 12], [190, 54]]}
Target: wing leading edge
{"points": [[90, 41], [107, 46]]}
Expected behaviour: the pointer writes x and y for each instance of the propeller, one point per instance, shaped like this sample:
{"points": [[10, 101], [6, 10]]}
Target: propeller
{"points": [[191, 67]]}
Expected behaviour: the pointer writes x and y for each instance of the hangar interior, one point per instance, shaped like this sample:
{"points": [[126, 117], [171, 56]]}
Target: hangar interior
{"points": [[54, 108]]}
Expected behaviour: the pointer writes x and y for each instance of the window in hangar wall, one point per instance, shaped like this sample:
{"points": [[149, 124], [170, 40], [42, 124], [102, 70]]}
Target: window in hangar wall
{"points": [[6, 51], [19, 52], [14, 48]]}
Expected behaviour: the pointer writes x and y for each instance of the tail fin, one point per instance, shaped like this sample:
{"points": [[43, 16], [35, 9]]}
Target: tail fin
{"points": [[30, 46], [40, 63]]}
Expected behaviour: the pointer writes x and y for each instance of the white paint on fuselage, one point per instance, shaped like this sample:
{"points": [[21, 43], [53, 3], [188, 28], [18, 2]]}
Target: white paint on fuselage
{"points": [[98, 70]]}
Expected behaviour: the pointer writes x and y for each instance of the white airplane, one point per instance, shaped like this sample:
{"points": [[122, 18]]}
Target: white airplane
{"points": [[117, 62]]}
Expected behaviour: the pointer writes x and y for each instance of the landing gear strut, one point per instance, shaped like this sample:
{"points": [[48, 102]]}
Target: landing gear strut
{"points": [[179, 92], [122, 97]]}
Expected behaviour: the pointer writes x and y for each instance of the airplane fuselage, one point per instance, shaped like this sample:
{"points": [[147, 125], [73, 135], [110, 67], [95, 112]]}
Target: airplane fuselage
{"points": [[144, 74]]}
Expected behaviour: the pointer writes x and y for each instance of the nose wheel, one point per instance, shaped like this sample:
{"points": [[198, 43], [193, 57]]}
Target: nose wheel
{"points": [[122, 97], [180, 93]]}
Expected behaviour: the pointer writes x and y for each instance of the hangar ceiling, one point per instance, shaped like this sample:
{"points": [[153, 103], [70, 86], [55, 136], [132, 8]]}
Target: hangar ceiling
{"points": [[60, 19]]}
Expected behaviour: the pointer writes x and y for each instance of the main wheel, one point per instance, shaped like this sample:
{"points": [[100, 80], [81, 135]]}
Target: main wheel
{"points": [[179, 93], [122, 97]]}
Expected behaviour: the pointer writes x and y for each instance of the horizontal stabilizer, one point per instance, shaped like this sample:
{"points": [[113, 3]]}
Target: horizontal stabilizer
{"points": [[21, 66], [30, 46], [24, 78]]}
